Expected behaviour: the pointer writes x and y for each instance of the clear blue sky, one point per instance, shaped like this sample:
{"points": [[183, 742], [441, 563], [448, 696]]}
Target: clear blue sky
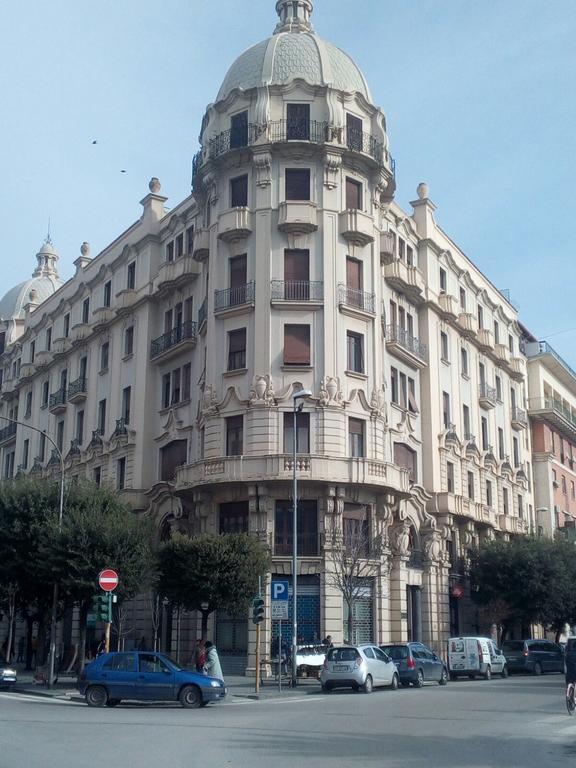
{"points": [[479, 96]]}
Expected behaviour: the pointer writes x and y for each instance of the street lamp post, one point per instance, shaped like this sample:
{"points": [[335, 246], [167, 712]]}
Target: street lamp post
{"points": [[302, 394], [54, 617]]}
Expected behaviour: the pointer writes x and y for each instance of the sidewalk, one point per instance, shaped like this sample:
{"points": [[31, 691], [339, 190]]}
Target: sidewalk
{"points": [[238, 688]]}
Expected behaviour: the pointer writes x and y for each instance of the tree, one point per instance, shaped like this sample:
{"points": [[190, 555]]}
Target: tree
{"points": [[209, 572], [527, 580], [356, 552]]}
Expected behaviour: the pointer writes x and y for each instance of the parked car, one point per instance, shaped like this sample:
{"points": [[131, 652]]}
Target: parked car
{"points": [[8, 674], [416, 664], [360, 667], [146, 676], [475, 657], [535, 656]]}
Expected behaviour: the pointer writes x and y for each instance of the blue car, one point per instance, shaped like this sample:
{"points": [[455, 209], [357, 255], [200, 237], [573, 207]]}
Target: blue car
{"points": [[145, 676]]}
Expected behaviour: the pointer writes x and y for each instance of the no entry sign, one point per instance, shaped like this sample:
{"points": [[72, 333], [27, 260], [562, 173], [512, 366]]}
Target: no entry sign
{"points": [[108, 580]]}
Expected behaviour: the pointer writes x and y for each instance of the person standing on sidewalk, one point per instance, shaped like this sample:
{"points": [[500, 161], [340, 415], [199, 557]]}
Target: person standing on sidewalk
{"points": [[212, 664], [200, 655]]}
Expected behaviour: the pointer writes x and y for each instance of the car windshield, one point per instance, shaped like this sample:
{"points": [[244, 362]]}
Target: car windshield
{"points": [[512, 645], [396, 652], [343, 654], [174, 664]]}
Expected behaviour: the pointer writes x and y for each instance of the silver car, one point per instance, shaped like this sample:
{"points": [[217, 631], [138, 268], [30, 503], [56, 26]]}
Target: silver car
{"points": [[360, 667]]}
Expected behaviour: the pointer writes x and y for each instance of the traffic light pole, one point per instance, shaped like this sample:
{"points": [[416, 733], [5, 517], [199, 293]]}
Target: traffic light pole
{"points": [[257, 685]]}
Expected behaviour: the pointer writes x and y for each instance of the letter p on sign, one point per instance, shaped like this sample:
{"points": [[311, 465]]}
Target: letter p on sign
{"points": [[279, 590]]}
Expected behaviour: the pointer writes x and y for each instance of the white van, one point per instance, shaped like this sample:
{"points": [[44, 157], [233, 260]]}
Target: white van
{"points": [[475, 657]]}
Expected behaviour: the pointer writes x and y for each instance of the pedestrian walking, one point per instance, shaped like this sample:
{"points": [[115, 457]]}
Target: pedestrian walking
{"points": [[212, 664], [101, 647], [200, 655], [327, 642]]}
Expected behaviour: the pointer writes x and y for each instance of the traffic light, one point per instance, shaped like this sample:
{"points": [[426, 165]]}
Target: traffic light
{"points": [[100, 609], [258, 610]]}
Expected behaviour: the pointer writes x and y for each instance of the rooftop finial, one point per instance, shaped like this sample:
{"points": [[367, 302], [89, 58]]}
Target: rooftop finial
{"points": [[294, 16], [48, 238]]}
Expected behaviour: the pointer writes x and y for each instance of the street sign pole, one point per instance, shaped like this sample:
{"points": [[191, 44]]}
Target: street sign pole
{"points": [[257, 683], [280, 654], [108, 623]]}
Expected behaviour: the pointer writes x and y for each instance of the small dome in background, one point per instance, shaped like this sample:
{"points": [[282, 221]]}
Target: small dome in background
{"points": [[44, 282]]}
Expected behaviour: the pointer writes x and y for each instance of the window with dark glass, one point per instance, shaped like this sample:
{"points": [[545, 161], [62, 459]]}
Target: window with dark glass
{"points": [[296, 275], [48, 339], [356, 437], [464, 361], [355, 342], [186, 381], [32, 351], [131, 276], [42, 446], [239, 130], [107, 294], [234, 436], [166, 388], [471, 485], [412, 402], [28, 411], [190, 240], [444, 347], [234, 517], [302, 432], [297, 184], [102, 416], [239, 192], [516, 451], [45, 392], [485, 435], [356, 529], [66, 325], [353, 194], [129, 341], [121, 473], [85, 310], [505, 504], [80, 427], [104, 355], [179, 246], [296, 345], [488, 493], [25, 452], [442, 280], [238, 279], [480, 317], [446, 410], [407, 458], [354, 133], [298, 122], [450, 476], [463, 299], [394, 386], [172, 456], [354, 282], [170, 251], [60, 435], [126, 403], [237, 349], [307, 519], [175, 384], [501, 447]]}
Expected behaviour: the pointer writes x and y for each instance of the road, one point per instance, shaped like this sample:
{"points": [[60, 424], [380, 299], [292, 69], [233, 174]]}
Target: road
{"points": [[520, 722]]}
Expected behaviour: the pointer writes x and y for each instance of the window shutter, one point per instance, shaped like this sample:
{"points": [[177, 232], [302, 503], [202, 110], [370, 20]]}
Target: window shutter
{"points": [[237, 340], [297, 344], [296, 266], [237, 271], [297, 184], [354, 274], [353, 194]]}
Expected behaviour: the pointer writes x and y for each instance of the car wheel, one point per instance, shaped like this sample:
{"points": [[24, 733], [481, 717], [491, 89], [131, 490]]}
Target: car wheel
{"points": [[96, 696], [504, 672], [190, 697], [443, 678], [419, 682], [204, 703], [394, 683], [368, 685], [488, 674], [537, 668], [113, 702], [327, 688]]}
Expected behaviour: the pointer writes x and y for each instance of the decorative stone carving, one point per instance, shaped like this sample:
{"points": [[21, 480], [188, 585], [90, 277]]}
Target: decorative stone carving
{"points": [[332, 165], [262, 391], [262, 162], [211, 185], [209, 400], [330, 393], [432, 546], [400, 538], [378, 402]]}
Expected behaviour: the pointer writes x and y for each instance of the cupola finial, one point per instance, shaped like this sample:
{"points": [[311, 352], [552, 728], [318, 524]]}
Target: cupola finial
{"points": [[294, 16]]}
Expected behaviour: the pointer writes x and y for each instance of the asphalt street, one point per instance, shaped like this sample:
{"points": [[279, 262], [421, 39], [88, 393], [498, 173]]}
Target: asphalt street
{"points": [[520, 722]]}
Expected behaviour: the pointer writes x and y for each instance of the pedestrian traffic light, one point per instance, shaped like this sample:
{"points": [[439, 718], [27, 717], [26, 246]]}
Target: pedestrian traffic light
{"points": [[258, 610], [100, 609]]}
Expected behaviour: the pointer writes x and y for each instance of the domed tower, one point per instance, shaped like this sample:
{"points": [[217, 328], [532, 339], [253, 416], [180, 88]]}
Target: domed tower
{"points": [[292, 180]]}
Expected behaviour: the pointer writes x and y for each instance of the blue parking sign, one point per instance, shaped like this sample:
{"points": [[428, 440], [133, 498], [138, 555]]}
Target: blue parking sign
{"points": [[280, 590]]}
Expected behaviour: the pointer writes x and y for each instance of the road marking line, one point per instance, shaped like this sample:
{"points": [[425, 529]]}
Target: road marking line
{"points": [[42, 699]]}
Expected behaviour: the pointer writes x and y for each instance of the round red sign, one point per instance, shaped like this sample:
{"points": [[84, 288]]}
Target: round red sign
{"points": [[457, 591], [108, 580]]}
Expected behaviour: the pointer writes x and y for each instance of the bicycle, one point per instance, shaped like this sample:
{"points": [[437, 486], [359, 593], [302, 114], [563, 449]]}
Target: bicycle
{"points": [[571, 698]]}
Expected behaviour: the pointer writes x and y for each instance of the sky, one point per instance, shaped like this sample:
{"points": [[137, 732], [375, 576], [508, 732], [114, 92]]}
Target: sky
{"points": [[479, 97]]}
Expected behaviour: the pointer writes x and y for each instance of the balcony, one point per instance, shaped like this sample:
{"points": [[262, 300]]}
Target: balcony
{"points": [[8, 433], [61, 345], [233, 139], [127, 299], [519, 419], [359, 141], [353, 302], [77, 390], [485, 339], [121, 429], [448, 306], [8, 387], [405, 279], [509, 524], [308, 545], [502, 353], [406, 347], [43, 357], [297, 217], [202, 315], [466, 322], [555, 412], [102, 316], [174, 341], [27, 370], [201, 246], [79, 332], [487, 396], [96, 441], [174, 274], [517, 368], [356, 227], [58, 401], [387, 247], [74, 451], [297, 292], [236, 299], [235, 224]]}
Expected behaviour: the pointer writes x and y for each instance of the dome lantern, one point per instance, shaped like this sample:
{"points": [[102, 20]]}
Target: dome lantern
{"points": [[294, 16]]}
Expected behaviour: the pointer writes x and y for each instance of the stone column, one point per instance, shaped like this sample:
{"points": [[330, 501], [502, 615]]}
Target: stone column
{"points": [[399, 537], [431, 551]]}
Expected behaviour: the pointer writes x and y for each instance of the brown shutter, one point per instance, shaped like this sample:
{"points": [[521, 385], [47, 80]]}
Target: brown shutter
{"points": [[237, 271], [405, 457], [354, 274], [297, 344], [353, 195], [296, 265]]}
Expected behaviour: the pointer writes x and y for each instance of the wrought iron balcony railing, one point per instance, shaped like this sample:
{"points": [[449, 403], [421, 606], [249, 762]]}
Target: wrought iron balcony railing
{"points": [[359, 141], [234, 138], [299, 130], [351, 297], [486, 392], [6, 433], [234, 297], [404, 339], [183, 332], [121, 428], [519, 416], [297, 290], [77, 387], [58, 398]]}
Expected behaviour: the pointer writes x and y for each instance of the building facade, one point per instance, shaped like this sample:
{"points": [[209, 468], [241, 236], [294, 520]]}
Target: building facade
{"points": [[167, 365]]}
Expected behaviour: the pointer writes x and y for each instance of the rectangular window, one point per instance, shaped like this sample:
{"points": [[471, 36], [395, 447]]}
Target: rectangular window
{"points": [[355, 343], [42, 446], [471, 485], [409, 255], [297, 184], [32, 351], [307, 520], [107, 301], [170, 251], [121, 473], [501, 446], [97, 476], [129, 341], [480, 317], [356, 438], [126, 403], [444, 347], [175, 383], [403, 390], [298, 122], [354, 133], [412, 402], [80, 427], [60, 435], [296, 275], [237, 349], [239, 192], [485, 435], [443, 280], [234, 517], [488, 493], [190, 240], [66, 325], [302, 432], [28, 411], [520, 507], [48, 339], [85, 310], [296, 345], [496, 332], [25, 452], [102, 417], [166, 390], [505, 505], [446, 410], [104, 354], [45, 392], [186, 381], [238, 278], [394, 386], [234, 435], [516, 451], [462, 299], [464, 361], [131, 276], [498, 382], [572, 490], [511, 343], [353, 195], [179, 246], [239, 130], [354, 280], [450, 476]]}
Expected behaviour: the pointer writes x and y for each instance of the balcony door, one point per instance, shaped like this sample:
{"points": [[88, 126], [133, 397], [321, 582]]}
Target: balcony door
{"points": [[298, 122], [296, 275], [238, 277]]}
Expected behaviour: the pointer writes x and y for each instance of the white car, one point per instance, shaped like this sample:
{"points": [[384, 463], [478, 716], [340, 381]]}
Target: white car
{"points": [[360, 667]]}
